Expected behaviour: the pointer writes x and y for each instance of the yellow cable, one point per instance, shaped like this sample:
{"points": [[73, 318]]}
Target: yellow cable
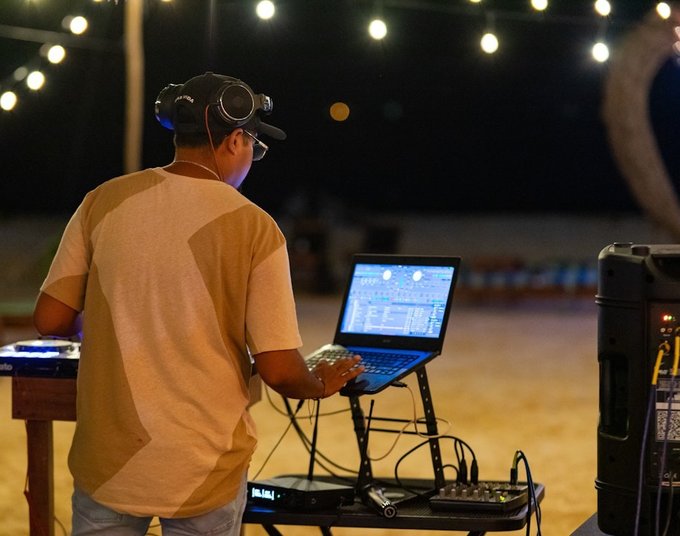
{"points": [[676, 357], [663, 347]]}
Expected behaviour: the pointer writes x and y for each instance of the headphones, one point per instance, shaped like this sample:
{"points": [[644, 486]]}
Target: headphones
{"points": [[229, 100]]}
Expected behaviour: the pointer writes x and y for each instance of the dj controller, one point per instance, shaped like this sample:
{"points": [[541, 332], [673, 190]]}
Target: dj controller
{"points": [[56, 358]]}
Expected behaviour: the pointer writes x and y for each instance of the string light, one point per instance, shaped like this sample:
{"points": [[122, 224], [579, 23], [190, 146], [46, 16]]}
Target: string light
{"points": [[600, 52], [8, 100], [35, 80], [603, 7], [78, 25], [377, 29], [663, 10], [539, 5], [54, 53], [489, 43], [265, 9]]}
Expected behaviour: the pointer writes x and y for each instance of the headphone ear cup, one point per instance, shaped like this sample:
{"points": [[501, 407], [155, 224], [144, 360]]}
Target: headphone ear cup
{"points": [[164, 107], [235, 103]]}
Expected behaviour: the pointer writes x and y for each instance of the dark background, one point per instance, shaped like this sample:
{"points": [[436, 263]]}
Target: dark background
{"points": [[435, 125]]}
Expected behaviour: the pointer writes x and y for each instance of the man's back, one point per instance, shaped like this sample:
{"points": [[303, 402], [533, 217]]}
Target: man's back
{"points": [[171, 261]]}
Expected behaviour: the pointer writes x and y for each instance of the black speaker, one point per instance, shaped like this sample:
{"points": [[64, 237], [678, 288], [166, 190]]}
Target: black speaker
{"points": [[638, 435]]}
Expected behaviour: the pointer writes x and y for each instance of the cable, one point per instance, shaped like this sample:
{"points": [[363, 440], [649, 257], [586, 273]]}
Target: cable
{"points": [[645, 434], [415, 421], [664, 349], [307, 443], [276, 445], [520, 456], [674, 372], [664, 448], [457, 442], [670, 506], [267, 391], [305, 440], [212, 144], [61, 526], [396, 469]]}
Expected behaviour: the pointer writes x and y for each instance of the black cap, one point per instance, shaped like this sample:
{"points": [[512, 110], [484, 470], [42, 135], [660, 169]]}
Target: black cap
{"points": [[230, 103]]}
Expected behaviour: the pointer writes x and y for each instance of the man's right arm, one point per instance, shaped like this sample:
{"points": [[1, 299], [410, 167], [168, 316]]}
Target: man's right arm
{"points": [[285, 371]]}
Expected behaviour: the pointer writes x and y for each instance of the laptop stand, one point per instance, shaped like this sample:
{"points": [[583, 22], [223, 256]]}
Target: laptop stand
{"points": [[361, 430]]}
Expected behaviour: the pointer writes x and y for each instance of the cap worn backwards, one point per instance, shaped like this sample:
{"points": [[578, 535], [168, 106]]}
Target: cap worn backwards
{"points": [[230, 103]]}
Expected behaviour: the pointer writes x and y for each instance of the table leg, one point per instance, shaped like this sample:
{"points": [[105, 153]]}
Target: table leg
{"points": [[40, 477]]}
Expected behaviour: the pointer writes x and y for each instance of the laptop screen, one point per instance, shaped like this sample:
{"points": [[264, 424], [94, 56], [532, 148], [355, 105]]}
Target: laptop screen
{"points": [[397, 299]]}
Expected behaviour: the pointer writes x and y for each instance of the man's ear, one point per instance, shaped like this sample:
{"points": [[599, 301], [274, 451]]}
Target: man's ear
{"points": [[230, 142]]}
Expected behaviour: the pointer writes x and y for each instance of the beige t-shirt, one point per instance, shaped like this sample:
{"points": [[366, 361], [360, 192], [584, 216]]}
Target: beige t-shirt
{"points": [[177, 278]]}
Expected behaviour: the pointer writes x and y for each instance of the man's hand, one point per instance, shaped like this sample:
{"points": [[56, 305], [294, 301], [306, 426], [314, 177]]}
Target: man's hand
{"points": [[286, 372], [334, 376]]}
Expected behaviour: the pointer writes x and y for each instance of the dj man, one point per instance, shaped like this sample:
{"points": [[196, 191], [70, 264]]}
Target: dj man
{"points": [[180, 280]]}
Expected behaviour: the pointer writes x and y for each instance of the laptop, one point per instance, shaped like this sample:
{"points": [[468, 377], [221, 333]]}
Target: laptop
{"points": [[394, 314]]}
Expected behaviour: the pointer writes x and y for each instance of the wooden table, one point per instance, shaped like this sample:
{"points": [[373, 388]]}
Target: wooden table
{"points": [[39, 401]]}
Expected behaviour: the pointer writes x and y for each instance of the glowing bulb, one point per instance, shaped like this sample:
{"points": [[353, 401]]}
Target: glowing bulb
{"points": [[377, 29], [339, 111], [265, 9], [600, 52], [539, 5], [78, 25], [603, 7], [20, 73], [35, 80], [475, 1], [663, 10], [8, 100], [56, 54], [489, 43]]}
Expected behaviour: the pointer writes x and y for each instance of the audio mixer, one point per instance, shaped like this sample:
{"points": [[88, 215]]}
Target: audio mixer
{"points": [[486, 496]]}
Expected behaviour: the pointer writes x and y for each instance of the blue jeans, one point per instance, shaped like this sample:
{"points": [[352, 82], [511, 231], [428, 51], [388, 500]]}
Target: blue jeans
{"points": [[90, 517]]}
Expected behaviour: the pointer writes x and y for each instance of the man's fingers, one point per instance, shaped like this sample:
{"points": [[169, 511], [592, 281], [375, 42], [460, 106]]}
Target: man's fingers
{"points": [[348, 368], [345, 365]]}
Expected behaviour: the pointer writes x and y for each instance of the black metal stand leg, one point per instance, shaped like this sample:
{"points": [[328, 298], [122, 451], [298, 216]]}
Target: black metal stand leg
{"points": [[431, 423], [273, 531], [365, 472]]}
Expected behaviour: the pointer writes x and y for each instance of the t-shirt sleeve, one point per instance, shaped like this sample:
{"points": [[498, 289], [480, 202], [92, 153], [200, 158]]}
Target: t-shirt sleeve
{"points": [[271, 320], [67, 278]]}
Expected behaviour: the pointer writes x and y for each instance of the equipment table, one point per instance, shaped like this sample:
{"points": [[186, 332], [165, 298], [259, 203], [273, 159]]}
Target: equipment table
{"points": [[39, 401], [414, 514]]}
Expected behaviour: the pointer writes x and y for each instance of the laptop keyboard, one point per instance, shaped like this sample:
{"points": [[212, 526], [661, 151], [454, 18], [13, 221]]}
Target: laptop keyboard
{"points": [[374, 362]]}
